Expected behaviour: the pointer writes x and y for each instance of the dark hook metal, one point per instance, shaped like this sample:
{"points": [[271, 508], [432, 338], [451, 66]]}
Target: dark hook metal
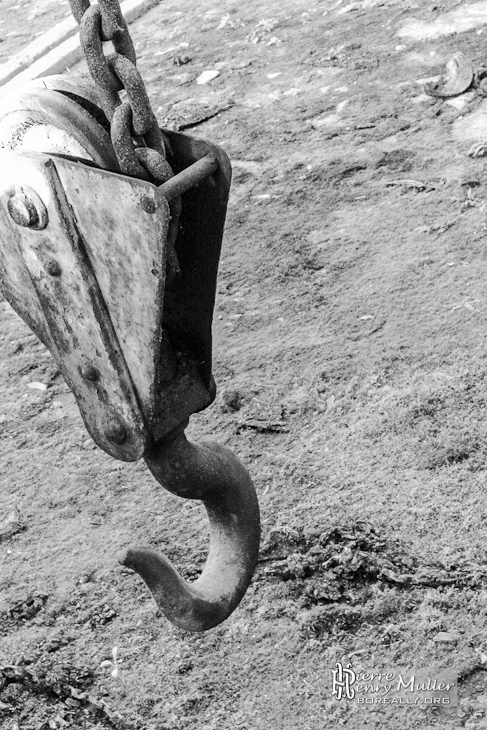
{"points": [[212, 473]]}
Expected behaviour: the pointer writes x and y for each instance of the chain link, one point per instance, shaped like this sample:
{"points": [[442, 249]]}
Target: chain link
{"points": [[133, 124], [123, 142], [136, 138]]}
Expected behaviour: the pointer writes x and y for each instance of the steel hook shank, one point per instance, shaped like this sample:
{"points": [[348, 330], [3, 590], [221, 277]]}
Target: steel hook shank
{"points": [[212, 473]]}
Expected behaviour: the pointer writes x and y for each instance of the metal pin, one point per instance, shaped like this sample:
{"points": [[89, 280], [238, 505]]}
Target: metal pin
{"points": [[26, 209], [148, 204], [22, 211]]}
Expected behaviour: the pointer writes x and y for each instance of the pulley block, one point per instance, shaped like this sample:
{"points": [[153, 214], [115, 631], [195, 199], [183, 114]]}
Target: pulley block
{"points": [[117, 276]]}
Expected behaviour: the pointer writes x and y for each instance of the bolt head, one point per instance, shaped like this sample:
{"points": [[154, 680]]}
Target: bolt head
{"points": [[22, 211], [89, 372], [148, 204], [116, 433]]}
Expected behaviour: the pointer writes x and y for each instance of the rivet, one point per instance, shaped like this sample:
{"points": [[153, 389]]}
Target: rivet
{"points": [[53, 269], [89, 372], [148, 204], [26, 209], [22, 211], [116, 433]]}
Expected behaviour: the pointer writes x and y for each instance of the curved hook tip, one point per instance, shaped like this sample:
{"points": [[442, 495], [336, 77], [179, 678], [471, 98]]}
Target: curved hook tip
{"points": [[190, 606], [212, 473]]}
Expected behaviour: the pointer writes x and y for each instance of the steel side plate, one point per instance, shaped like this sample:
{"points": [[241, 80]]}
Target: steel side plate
{"points": [[91, 286]]}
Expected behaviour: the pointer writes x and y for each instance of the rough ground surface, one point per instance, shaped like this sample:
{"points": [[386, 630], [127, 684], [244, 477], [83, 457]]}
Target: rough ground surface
{"points": [[350, 354], [21, 22]]}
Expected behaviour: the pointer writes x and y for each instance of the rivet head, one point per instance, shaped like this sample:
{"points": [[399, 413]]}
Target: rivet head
{"points": [[116, 433], [148, 204], [26, 208], [53, 268], [22, 211], [89, 372]]}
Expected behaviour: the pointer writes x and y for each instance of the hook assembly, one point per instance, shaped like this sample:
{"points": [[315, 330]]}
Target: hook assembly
{"points": [[117, 277], [213, 474]]}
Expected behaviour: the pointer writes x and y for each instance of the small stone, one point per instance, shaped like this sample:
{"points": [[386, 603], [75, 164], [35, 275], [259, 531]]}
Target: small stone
{"points": [[236, 65], [207, 76], [181, 60], [479, 149], [460, 102], [37, 386], [11, 524], [231, 400], [329, 121], [445, 637]]}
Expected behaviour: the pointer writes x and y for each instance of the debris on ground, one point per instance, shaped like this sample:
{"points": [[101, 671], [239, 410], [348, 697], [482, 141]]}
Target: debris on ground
{"points": [[445, 637], [411, 184], [206, 76], [11, 524], [338, 563], [181, 60], [26, 609], [231, 400], [262, 416], [262, 30], [458, 77], [37, 386], [189, 118], [225, 22], [478, 149]]}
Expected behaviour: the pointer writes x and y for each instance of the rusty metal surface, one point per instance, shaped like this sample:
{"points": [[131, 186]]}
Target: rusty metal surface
{"points": [[190, 177], [129, 262], [209, 472], [190, 297], [49, 121], [123, 143], [80, 332], [118, 277], [124, 226], [196, 238], [16, 284], [143, 118], [74, 86], [91, 42], [133, 123]]}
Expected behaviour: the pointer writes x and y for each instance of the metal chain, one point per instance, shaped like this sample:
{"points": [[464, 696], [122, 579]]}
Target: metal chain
{"points": [[133, 125]]}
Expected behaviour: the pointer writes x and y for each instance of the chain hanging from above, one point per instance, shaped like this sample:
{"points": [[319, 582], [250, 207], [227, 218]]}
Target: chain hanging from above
{"points": [[133, 125]]}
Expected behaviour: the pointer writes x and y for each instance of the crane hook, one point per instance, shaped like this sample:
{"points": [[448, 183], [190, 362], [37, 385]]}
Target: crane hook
{"points": [[212, 473], [133, 344]]}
